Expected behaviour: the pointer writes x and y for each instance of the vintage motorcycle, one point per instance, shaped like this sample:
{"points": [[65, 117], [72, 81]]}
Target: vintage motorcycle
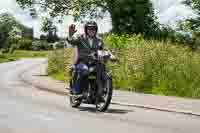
{"points": [[97, 88]]}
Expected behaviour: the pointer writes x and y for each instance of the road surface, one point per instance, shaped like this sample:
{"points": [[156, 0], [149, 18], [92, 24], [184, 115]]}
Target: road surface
{"points": [[26, 109]]}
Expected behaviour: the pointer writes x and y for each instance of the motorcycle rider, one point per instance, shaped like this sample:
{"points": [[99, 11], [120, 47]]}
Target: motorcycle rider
{"points": [[84, 45]]}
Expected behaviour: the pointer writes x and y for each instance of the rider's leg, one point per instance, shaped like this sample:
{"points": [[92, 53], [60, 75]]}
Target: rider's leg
{"points": [[80, 74]]}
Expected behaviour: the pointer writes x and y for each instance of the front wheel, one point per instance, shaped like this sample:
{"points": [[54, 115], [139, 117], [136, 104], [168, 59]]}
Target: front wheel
{"points": [[74, 102], [105, 99]]}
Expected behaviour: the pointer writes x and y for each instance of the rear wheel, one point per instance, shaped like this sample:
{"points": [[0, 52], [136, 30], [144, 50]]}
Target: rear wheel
{"points": [[105, 100]]}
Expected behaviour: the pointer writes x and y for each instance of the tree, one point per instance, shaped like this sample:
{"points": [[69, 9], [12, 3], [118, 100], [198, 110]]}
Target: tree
{"points": [[193, 23], [4, 34], [6, 23], [10, 30], [47, 25], [133, 16], [130, 16], [43, 37], [51, 29]]}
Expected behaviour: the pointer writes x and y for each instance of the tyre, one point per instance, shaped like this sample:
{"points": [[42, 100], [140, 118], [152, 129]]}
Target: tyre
{"points": [[74, 102], [104, 103]]}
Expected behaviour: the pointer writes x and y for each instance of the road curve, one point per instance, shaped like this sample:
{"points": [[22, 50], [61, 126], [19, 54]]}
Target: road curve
{"points": [[24, 108]]}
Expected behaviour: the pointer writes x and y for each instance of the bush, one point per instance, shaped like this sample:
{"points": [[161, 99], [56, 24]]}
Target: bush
{"points": [[59, 63], [2, 56], [56, 62], [5, 50], [24, 44], [124, 41], [58, 45], [41, 45]]}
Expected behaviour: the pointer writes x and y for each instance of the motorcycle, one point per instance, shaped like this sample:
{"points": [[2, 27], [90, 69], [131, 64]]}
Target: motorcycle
{"points": [[97, 88]]}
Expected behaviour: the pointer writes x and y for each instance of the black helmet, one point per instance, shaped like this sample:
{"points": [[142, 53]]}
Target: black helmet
{"points": [[91, 24]]}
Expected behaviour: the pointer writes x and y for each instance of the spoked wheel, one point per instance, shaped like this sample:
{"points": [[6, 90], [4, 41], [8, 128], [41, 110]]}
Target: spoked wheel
{"points": [[74, 102], [105, 99]]}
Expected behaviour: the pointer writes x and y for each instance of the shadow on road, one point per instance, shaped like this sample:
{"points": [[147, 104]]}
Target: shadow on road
{"points": [[118, 111], [41, 75], [111, 111]]}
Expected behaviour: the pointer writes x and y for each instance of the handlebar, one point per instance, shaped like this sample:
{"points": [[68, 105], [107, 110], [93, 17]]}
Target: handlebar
{"points": [[102, 55]]}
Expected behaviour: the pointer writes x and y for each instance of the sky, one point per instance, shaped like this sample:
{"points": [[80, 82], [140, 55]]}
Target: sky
{"points": [[168, 12]]}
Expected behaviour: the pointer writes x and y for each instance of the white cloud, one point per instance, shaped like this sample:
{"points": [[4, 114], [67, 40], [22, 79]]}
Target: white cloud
{"points": [[169, 11], [10, 6]]}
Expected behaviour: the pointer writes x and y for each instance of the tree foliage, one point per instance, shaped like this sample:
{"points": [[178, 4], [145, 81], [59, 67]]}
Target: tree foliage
{"points": [[47, 25], [10, 30], [130, 16], [51, 29], [7, 25], [133, 16], [193, 23]]}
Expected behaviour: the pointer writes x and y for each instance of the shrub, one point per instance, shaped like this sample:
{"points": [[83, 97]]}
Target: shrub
{"points": [[56, 62], [24, 44], [124, 41], [5, 50], [58, 45], [41, 45], [59, 63]]}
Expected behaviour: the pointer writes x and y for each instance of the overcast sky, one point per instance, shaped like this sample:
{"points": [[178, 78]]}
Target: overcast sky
{"points": [[168, 11]]}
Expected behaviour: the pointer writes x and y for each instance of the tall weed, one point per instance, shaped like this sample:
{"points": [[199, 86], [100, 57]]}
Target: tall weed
{"points": [[145, 66]]}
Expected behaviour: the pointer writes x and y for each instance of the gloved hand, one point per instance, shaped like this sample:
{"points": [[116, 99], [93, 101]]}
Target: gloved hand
{"points": [[72, 30]]}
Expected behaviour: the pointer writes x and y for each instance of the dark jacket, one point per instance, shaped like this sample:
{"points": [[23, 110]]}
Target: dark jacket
{"points": [[83, 46]]}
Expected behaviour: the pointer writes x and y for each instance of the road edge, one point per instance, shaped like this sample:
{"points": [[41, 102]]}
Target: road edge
{"points": [[45, 88]]}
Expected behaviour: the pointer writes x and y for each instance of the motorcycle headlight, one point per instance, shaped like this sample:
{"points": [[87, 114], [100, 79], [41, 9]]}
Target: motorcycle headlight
{"points": [[91, 69]]}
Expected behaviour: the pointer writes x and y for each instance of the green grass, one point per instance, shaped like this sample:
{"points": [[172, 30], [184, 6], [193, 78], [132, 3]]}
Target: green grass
{"points": [[5, 58], [17, 54], [29, 54], [144, 66], [58, 76], [157, 68], [56, 65]]}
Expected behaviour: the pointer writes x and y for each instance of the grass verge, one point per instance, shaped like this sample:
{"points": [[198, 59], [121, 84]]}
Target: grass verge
{"points": [[17, 54], [144, 66]]}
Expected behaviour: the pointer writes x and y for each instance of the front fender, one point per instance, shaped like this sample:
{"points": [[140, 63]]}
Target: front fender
{"points": [[108, 75]]}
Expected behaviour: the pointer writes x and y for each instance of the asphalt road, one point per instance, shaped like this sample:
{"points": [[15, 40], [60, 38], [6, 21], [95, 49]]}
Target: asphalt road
{"points": [[25, 109]]}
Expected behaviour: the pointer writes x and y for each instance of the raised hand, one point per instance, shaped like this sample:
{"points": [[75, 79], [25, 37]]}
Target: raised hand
{"points": [[72, 29]]}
